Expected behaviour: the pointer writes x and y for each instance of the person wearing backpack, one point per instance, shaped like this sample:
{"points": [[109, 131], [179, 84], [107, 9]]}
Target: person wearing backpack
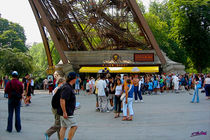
{"points": [[55, 105], [14, 88]]}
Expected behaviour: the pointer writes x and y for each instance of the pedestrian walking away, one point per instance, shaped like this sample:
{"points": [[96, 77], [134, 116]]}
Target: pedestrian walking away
{"points": [[14, 88], [68, 103], [55, 105]]}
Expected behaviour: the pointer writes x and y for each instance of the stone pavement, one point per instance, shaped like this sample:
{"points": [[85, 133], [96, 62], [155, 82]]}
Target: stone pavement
{"points": [[162, 117]]}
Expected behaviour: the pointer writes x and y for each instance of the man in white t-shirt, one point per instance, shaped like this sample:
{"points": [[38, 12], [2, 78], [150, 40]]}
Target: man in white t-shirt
{"points": [[176, 83], [102, 99]]}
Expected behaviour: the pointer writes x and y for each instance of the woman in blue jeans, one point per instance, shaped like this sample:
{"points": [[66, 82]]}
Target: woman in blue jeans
{"points": [[128, 102], [197, 86]]}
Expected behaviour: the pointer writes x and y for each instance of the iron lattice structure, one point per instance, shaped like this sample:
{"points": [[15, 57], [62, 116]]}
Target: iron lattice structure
{"points": [[82, 25]]}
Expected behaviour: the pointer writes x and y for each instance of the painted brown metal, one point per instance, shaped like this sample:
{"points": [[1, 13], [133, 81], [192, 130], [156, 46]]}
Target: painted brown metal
{"points": [[143, 24], [51, 30], [44, 37], [90, 25]]}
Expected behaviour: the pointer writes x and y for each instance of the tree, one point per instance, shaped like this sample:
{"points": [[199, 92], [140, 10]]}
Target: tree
{"points": [[161, 10], [13, 59], [160, 30], [191, 22], [38, 54], [12, 35], [141, 6]]}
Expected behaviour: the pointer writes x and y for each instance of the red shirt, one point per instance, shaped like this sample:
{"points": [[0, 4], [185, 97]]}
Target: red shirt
{"points": [[16, 85]]}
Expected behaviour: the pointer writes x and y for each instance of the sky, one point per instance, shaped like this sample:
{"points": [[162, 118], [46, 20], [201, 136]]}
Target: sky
{"points": [[19, 11]]}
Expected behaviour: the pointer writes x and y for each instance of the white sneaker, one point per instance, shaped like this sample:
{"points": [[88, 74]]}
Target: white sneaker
{"points": [[141, 101], [136, 101]]}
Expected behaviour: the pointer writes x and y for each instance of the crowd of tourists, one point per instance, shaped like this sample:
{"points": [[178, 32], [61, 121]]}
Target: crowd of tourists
{"points": [[109, 89], [113, 92]]}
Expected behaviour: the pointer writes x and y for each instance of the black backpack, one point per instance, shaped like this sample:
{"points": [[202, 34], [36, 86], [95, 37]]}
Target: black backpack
{"points": [[14, 94], [56, 99]]}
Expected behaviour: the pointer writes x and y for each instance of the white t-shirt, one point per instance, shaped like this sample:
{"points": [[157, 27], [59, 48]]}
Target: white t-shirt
{"points": [[32, 82], [118, 90], [140, 82], [207, 81], [101, 85], [87, 86]]}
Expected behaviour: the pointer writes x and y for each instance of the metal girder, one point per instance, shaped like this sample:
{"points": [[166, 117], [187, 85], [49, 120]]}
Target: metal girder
{"points": [[143, 24], [44, 37], [51, 29]]}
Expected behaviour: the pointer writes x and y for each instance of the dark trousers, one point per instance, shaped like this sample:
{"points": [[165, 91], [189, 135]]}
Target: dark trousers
{"points": [[117, 104], [207, 89], [14, 105], [137, 92]]}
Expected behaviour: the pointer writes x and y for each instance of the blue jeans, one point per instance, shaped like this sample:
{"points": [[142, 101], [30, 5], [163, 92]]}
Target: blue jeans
{"points": [[14, 104], [129, 105], [195, 93], [137, 92]]}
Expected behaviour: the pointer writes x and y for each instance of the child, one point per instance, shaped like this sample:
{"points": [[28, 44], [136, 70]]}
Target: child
{"points": [[150, 87], [87, 87]]}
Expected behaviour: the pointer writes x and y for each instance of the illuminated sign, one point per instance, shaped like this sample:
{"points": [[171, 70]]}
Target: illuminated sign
{"points": [[144, 57], [114, 65]]}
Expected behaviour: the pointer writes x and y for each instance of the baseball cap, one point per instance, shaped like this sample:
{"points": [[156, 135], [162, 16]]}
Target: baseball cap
{"points": [[72, 75], [14, 73]]}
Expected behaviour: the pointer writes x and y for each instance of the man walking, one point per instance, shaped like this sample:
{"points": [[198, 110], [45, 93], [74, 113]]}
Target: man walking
{"points": [[14, 88], [68, 103]]}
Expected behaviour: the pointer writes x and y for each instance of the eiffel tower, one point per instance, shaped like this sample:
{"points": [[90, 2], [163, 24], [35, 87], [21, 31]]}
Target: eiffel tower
{"points": [[93, 26]]}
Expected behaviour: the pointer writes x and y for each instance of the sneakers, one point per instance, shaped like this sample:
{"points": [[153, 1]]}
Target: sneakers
{"points": [[141, 101], [46, 136], [136, 101]]}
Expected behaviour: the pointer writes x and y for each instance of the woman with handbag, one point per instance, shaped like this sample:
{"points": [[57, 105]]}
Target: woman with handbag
{"points": [[128, 102], [118, 92]]}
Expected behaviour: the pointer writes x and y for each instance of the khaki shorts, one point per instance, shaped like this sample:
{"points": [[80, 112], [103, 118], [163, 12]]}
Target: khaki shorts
{"points": [[69, 122]]}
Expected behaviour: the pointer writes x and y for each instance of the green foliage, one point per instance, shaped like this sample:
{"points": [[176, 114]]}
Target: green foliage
{"points": [[13, 59], [12, 35], [141, 6], [37, 51], [160, 30], [161, 10], [13, 51], [191, 22]]}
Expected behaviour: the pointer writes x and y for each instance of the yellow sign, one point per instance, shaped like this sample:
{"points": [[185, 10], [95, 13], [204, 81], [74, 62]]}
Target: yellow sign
{"points": [[143, 69]]}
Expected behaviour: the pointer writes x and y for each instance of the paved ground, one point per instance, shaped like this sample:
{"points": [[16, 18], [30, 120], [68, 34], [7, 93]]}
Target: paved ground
{"points": [[162, 117]]}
